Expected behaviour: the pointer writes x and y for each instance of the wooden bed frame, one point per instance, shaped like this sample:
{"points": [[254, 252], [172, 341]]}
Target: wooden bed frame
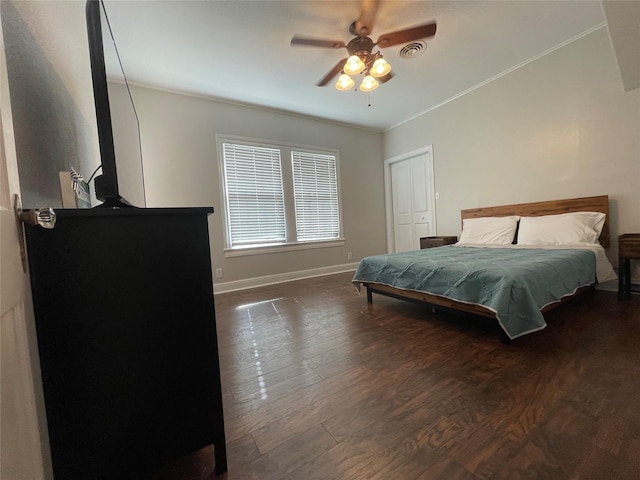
{"points": [[585, 204]]}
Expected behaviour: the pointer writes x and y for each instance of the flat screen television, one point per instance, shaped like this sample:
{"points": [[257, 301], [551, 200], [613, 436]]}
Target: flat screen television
{"points": [[121, 182]]}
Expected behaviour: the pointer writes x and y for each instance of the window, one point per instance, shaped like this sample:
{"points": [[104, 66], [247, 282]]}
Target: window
{"points": [[278, 195], [315, 189], [255, 200]]}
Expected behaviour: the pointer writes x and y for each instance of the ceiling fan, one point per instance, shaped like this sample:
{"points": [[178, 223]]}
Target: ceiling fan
{"points": [[361, 57]]}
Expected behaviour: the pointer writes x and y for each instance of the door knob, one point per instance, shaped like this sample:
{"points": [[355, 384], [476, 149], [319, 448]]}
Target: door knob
{"points": [[45, 217]]}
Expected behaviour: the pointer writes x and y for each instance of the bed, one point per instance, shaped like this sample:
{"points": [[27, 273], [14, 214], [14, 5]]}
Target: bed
{"points": [[512, 263]]}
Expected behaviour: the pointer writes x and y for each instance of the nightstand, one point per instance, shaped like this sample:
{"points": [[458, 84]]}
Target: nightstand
{"points": [[628, 249], [430, 242]]}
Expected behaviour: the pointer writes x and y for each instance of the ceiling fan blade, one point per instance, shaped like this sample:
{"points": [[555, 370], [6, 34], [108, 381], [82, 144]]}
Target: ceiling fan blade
{"points": [[368, 11], [315, 42], [334, 71], [408, 35]]}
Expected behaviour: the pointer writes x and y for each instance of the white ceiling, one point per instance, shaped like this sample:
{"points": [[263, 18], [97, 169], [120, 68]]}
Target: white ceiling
{"points": [[239, 50]]}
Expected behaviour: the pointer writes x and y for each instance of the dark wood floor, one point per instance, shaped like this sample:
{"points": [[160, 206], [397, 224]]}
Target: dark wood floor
{"points": [[320, 385]]}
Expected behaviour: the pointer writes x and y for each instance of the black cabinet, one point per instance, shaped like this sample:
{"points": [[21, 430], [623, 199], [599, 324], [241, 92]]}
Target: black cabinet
{"points": [[127, 339]]}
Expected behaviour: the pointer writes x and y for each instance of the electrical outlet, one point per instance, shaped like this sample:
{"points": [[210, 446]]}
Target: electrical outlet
{"points": [[349, 256], [218, 273]]}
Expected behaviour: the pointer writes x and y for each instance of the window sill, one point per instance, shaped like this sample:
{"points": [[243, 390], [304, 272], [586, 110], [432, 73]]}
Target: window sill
{"points": [[241, 252]]}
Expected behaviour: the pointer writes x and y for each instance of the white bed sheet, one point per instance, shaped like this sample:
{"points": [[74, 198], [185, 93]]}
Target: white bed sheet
{"points": [[604, 269]]}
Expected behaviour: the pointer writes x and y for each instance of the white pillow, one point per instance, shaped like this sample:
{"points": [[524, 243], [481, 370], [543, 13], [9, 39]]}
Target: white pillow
{"points": [[489, 230], [577, 228]]}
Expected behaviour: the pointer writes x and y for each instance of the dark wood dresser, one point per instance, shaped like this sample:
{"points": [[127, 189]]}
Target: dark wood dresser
{"points": [[430, 242], [125, 320]]}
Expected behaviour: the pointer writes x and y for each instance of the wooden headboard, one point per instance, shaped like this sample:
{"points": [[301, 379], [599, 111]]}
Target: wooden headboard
{"points": [[553, 207]]}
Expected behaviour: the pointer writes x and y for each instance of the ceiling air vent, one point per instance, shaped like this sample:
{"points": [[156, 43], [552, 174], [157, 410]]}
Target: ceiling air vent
{"points": [[413, 49]]}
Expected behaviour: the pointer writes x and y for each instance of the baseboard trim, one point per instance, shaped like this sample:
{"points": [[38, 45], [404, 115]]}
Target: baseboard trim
{"points": [[225, 287]]}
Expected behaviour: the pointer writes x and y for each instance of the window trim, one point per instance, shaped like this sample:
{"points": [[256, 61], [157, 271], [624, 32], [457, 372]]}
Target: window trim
{"points": [[287, 176]]}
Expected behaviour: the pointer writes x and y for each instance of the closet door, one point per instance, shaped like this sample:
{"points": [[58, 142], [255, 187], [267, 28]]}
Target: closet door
{"points": [[412, 201]]}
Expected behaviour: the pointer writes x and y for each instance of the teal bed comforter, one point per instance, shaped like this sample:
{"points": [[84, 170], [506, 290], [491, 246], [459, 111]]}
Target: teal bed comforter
{"points": [[513, 283]]}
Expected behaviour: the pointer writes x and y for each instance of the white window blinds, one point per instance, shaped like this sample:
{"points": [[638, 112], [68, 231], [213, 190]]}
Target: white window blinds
{"points": [[255, 198], [315, 184]]}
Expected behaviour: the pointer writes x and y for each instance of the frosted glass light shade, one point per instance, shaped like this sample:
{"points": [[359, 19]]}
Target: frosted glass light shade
{"points": [[354, 65], [368, 84], [380, 68], [345, 82]]}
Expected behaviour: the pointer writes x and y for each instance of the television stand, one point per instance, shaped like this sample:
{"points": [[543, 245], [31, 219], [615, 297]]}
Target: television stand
{"points": [[125, 320]]}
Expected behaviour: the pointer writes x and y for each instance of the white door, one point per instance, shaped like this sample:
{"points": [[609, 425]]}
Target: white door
{"points": [[20, 441], [412, 204], [402, 208]]}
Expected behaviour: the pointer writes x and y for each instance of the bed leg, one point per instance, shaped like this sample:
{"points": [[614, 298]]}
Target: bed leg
{"points": [[369, 296], [505, 339]]}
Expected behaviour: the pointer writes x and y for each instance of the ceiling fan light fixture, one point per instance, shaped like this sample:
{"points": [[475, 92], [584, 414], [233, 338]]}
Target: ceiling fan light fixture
{"points": [[345, 82], [369, 84], [354, 65], [380, 68]]}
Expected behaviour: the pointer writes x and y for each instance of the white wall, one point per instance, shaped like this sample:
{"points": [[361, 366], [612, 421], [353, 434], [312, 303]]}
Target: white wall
{"points": [[559, 127], [51, 95], [181, 169]]}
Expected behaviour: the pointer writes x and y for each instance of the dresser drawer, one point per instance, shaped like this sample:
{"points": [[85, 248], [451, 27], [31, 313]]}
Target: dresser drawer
{"points": [[430, 242]]}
